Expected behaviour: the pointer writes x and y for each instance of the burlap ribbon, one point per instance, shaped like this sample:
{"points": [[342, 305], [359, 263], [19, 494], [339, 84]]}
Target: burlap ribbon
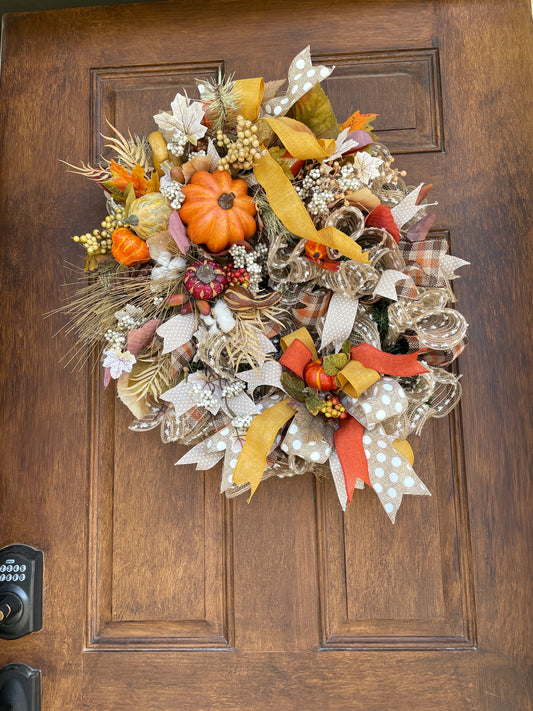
{"points": [[177, 331]]}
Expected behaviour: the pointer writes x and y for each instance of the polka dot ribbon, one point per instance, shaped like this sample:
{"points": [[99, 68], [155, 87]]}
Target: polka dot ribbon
{"points": [[390, 474], [302, 76]]}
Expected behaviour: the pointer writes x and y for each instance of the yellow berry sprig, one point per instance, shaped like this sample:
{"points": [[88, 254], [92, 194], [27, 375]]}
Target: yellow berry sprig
{"points": [[99, 240], [241, 152]]}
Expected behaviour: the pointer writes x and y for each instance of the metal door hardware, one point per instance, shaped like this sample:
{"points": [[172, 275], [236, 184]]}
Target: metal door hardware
{"points": [[21, 591], [20, 688]]}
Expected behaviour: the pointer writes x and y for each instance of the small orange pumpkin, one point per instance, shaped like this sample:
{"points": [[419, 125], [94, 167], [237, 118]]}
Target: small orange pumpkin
{"points": [[315, 376], [318, 254], [217, 210], [128, 249]]}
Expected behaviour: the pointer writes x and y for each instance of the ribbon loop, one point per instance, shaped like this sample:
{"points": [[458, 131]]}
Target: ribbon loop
{"points": [[250, 93]]}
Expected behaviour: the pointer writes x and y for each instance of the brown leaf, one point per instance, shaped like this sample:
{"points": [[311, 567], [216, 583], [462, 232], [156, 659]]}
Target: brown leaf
{"points": [[139, 338]]}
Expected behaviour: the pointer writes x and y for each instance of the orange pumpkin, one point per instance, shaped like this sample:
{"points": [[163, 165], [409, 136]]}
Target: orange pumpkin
{"points": [[217, 210], [128, 249], [315, 376]]}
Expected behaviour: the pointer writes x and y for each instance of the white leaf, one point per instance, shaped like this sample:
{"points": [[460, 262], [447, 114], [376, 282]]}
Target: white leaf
{"points": [[342, 145], [185, 119]]}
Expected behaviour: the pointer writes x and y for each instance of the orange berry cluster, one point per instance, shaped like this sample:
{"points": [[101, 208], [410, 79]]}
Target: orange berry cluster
{"points": [[333, 408]]}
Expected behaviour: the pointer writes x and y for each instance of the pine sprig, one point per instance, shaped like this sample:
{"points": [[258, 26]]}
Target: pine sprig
{"points": [[221, 103]]}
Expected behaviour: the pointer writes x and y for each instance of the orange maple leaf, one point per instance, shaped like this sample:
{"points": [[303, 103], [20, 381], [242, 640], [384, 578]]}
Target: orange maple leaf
{"points": [[359, 122], [121, 178]]}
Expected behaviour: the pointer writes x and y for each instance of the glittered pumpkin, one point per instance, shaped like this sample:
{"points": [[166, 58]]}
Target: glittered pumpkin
{"points": [[217, 210], [315, 376], [149, 215], [205, 279], [128, 249]]}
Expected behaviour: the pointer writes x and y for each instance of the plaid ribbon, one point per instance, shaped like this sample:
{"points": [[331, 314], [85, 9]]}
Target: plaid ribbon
{"points": [[422, 261], [182, 355], [405, 289], [315, 307], [271, 329], [433, 357]]}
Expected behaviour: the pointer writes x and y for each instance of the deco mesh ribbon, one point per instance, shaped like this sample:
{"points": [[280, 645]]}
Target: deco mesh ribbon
{"points": [[266, 290]]}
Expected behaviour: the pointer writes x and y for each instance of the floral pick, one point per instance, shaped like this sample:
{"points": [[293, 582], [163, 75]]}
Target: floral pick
{"points": [[185, 119]]}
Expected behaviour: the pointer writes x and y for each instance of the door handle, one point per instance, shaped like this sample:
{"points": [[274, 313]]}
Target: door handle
{"points": [[20, 688]]}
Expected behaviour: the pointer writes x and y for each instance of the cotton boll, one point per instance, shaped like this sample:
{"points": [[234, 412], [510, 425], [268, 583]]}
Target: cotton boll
{"points": [[224, 317], [208, 320]]}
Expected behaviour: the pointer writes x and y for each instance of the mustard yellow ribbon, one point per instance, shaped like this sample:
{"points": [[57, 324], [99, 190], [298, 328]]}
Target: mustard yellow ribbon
{"points": [[404, 448], [260, 438], [291, 211], [250, 94], [299, 140], [354, 378]]}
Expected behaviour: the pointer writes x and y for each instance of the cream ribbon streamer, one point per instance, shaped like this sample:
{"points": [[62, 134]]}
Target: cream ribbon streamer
{"points": [[340, 318]]}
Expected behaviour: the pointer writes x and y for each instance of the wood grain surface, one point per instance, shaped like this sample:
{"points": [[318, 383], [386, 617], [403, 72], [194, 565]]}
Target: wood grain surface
{"points": [[160, 595]]}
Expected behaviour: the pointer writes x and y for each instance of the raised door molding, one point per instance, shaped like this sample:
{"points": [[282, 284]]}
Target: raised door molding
{"points": [[401, 86]]}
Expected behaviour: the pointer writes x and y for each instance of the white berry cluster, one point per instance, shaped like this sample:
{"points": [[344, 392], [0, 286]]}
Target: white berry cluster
{"points": [[173, 193], [348, 179], [117, 337], [251, 261], [203, 396], [177, 144], [318, 190], [238, 252], [233, 389], [242, 422]]}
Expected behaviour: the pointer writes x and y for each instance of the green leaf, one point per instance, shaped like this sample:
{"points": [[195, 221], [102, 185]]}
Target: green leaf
{"points": [[116, 194], [347, 348], [294, 386], [316, 112], [334, 363], [314, 404]]}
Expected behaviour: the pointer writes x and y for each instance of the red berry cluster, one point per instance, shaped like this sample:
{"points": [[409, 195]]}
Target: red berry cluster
{"points": [[333, 408], [236, 277]]}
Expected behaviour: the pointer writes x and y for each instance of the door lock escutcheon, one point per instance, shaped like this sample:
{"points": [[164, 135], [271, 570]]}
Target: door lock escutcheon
{"points": [[21, 591]]}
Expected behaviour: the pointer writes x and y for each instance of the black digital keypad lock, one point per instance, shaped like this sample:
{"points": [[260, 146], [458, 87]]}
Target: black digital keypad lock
{"points": [[21, 590]]}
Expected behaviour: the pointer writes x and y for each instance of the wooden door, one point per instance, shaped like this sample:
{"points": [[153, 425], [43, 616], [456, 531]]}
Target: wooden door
{"points": [[159, 593]]}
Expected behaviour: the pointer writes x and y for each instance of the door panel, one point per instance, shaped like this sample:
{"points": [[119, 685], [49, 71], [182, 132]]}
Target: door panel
{"points": [[159, 593]]}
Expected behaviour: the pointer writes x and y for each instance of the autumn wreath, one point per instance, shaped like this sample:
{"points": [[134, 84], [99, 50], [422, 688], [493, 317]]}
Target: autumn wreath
{"points": [[264, 290]]}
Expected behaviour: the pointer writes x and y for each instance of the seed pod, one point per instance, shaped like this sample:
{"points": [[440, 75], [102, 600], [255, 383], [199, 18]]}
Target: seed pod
{"points": [[159, 150], [203, 307], [240, 299], [176, 299]]}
